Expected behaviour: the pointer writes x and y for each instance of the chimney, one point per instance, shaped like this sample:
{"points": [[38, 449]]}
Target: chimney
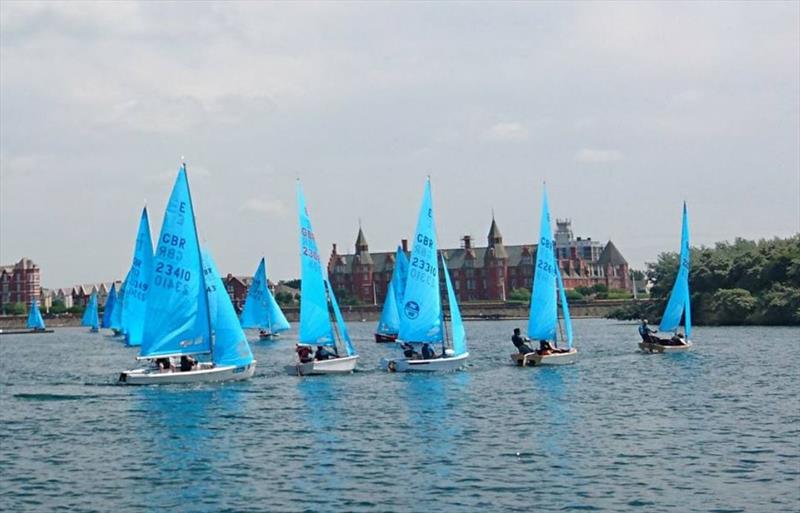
{"points": [[334, 249], [404, 243], [467, 242]]}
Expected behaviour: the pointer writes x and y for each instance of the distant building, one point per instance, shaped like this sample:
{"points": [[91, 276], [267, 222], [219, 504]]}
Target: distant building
{"points": [[237, 287], [19, 283], [484, 273]]}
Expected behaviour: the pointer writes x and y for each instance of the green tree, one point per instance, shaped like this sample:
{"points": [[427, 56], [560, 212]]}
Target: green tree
{"points": [[58, 307], [519, 295], [733, 306]]}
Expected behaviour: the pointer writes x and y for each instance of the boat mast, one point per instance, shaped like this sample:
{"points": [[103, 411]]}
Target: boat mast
{"points": [[202, 268]]}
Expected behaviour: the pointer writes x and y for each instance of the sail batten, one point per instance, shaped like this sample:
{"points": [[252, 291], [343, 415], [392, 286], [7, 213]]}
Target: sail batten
{"points": [[679, 304]]}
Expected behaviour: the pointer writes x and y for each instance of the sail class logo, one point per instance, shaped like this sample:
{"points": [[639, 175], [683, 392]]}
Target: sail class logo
{"points": [[411, 309]]}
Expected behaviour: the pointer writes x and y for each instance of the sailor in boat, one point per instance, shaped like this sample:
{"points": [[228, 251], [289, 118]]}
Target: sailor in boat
{"points": [[427, 352], [409, 352], [264, 333], [519, 342], [647, 334], [163, 364], [676, 340], [324, 354], [187, 363], [304, 353]]}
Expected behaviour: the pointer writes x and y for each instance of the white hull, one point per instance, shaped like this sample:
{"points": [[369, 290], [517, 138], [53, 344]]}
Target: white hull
{"points": [[535, 360], [649, 347], [205, 373], [342, 365], [447, 364]]}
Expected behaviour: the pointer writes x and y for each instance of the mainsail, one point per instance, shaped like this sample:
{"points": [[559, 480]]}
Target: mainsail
{"points": [[679, 299], [420, 314], [177, 319], [315, 323], [137, 282], [90, 317], [111, 303], [543, 316], [35, 320], [260, 308]]}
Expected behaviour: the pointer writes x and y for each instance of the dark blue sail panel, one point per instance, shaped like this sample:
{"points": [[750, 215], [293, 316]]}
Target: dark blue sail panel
{"points": [[342, 327], [421, 311], [457, 325], [230, 343], [315, 323], [90, 317], [177, 317], [137, 283], [35, 320], [108, 310], [543, 316], [679, 299]]}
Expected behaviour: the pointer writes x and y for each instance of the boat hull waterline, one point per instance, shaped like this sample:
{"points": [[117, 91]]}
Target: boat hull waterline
{"points": [[448, 364], [536, 360], [343, 365], [206, 373], [653, 347], [381, 338], [24, 332]]}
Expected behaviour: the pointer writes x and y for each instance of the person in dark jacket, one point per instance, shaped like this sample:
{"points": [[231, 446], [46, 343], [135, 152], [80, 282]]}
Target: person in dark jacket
{"points": [[323, 354], [519, 342], [408, 351], [646, 333], [427, 352], [187, 363]]}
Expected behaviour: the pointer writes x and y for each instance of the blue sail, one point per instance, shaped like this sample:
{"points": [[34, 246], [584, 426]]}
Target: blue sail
{"points": [[456, 323], [137, 283], [343, 333], [90, 314], [35, 320], [315, 323], [115, 323], [260, 308], [230, 343], [564, 307], [543, 316], [420, 314], [111, 302], [177, 319], [277, 321], [389, 323], [400, 276], [679, 299]]}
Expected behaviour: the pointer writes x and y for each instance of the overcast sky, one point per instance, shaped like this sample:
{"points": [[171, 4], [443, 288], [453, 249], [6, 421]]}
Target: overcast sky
{"points": [[625, 109]]}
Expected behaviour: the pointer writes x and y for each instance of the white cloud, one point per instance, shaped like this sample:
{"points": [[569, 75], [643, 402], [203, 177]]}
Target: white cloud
{"points": [[507, 131], [595, 156], [263, 206]]}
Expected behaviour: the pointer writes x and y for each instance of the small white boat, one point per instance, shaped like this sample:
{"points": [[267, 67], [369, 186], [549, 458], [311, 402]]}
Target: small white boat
{"points": [[546, 293], [446, 364], [205, 372], [655, 347], [679, 305], [188, 310], [344, 365], [317, 298], [534, 359]]}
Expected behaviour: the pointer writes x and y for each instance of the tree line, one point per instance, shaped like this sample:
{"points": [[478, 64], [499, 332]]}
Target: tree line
{"points": [[732, 283]]}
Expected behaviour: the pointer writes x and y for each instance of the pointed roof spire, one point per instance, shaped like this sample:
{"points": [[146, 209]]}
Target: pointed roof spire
{"points": [[495, 241]]}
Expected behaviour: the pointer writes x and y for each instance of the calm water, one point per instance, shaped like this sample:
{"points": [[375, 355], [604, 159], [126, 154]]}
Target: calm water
{"points": [[716, 430]]}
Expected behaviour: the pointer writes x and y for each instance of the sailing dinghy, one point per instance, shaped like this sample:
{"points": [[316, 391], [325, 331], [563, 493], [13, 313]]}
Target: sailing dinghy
{"points": [[188, 311], [421, 315], [90, 317], [35, 323], [137, 283], [389, 323], [678, 306], [316, 327], [548, 289], [260, 308]]}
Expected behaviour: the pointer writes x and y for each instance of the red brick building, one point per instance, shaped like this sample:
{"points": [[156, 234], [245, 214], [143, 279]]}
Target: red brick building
{"points": [[487, 273], [19, 283]]}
